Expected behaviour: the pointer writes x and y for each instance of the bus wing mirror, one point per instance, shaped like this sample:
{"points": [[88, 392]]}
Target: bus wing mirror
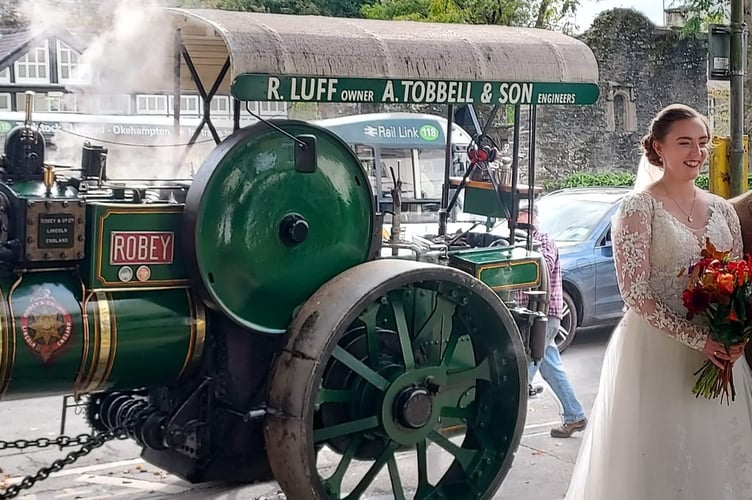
{"points": [[305, 153]]}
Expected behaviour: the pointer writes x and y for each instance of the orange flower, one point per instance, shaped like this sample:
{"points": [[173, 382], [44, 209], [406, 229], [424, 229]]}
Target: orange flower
{"points": [[709, 283], [726, 282], [711, 252]]}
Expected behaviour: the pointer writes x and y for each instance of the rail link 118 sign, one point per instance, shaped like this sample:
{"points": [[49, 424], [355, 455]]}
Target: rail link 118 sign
{"points": [[255, 87]]}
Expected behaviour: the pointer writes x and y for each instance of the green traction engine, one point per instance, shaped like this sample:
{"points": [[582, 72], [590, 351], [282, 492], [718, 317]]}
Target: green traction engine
{"points": [[244, 327]]}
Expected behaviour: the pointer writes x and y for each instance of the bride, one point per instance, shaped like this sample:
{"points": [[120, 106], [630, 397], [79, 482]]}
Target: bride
{"points": [[649, 438]]}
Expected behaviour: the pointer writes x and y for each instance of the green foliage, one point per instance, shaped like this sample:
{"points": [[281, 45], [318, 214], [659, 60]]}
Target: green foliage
{"points": [[335, 8], [702, 13], [414, 10], [614, 179], [702, 181], [594, 179], [551, 14], [272, 6]]}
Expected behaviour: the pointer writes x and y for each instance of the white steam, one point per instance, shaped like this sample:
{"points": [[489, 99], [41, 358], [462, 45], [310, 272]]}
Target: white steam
{"points": [[129, 50]]}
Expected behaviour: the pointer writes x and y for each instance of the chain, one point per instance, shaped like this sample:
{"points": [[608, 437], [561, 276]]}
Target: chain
{"points": [[62, 441], [88, 443]]}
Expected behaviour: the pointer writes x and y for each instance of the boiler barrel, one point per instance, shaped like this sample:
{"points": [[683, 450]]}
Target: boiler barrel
{"points": [[58, 338]]}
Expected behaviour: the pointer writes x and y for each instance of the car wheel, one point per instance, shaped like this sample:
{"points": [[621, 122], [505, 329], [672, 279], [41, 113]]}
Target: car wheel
{"points": [[565, 335]]}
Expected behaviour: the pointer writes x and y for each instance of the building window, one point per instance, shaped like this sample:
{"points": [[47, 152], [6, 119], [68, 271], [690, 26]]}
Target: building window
{"points": [[58, 102], [620, 113], [5, 75], [189, 105], [151, 104], [220, 105], [32, 67], [39, 102], [273, 108], [68, 62], [253, 106], [5, 102], [54, 103], [113, 104]]}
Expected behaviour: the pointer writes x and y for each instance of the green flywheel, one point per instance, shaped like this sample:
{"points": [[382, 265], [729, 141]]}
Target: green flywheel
{"points": [[264, 236]]}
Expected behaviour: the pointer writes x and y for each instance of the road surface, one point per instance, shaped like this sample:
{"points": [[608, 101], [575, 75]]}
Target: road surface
{"points": [[541, 469]]}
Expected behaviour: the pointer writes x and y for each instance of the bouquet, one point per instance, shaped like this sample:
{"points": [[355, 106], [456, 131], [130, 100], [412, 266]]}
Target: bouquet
{"points": [[720, 288]]}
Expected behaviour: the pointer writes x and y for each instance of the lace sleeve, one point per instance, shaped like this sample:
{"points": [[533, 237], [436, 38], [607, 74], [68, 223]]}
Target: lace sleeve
{"points": [[631, 239], [735, 227]]}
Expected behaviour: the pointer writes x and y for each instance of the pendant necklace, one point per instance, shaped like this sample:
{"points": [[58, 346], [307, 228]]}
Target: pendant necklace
{"points": [[691, 210]]}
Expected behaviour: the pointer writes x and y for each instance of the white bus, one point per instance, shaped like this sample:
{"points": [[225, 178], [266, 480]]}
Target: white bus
{"points": [[410, 145]]}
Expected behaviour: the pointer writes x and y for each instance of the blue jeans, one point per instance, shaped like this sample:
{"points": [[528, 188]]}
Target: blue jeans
{"points": [[555, 376]]}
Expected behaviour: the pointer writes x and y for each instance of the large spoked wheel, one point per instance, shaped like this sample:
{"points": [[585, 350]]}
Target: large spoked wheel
{"points": [[399, 378]]}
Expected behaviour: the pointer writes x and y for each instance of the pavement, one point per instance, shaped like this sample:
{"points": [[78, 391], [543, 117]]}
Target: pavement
{"points": [[540, 471]]}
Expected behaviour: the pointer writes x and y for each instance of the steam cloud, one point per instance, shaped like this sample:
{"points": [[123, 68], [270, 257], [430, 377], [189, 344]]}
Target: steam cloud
{"points": [[131, 53]]}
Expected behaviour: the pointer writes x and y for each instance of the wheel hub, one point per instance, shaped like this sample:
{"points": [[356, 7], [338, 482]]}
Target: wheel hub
{"points": [[414, 407]]}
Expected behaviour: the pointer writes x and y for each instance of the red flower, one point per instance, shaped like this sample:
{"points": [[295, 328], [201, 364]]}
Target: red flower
{"points": [[696, 301]]}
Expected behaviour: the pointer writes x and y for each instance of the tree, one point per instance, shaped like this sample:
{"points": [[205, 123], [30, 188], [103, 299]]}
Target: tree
{"points": [[11, 18], [550, 14], [703, 12], [335, 8]]}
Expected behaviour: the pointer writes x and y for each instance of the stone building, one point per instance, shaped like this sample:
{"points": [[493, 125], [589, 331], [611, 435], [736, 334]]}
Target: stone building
{"points": [[642, 68]]}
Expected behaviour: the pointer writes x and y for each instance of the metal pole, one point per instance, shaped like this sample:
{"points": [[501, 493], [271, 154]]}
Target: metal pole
{"points": [[514, 212], [443, 213], [176, 85], [737, 65], [531, 168]]}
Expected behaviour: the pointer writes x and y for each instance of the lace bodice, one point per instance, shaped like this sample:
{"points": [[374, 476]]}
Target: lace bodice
{"points": [[651, 246]]}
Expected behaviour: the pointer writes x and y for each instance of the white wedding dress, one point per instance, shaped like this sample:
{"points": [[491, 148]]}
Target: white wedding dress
{"points": [[648, 437]]}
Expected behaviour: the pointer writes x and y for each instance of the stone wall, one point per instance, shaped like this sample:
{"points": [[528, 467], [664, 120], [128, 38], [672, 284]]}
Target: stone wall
{"points": [[642, 69]]}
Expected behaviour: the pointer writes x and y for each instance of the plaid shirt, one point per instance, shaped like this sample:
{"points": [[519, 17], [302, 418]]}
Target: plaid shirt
{"points": [[551, 253]]}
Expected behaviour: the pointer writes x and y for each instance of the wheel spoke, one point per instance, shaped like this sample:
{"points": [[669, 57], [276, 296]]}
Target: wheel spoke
{"points": [[467, 378], [403, 331], [463, 456], [368, 317], [359, 367], [420, 451], [345, 429], [448, 356], [333, 484], [440, 319], [399, 493], [336, 396], [563, 334], [373, 471]]}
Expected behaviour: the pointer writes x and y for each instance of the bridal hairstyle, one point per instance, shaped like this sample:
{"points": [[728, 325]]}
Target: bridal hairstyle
{"points": [[661, 125]]}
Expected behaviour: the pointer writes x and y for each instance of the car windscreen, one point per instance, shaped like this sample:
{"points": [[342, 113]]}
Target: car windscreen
{"points": [[569, 219]]}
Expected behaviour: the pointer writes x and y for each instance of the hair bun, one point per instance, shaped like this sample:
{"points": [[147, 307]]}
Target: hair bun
{"points": [[650, 152]]}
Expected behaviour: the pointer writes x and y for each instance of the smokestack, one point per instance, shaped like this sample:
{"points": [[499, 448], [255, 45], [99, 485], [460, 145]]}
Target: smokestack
{"points": [[29, 107]]}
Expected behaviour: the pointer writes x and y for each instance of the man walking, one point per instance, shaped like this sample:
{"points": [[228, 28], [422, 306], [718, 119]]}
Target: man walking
{"points": [[550, 366]]}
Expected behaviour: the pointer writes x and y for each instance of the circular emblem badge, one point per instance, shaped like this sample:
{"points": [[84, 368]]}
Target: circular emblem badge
{"points": [[428, 132], [45, 325], [125, 274], [143, 273]]}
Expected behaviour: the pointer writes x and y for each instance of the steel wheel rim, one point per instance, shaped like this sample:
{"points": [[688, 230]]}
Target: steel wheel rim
{"points": [[409, 393], [562, 334]]}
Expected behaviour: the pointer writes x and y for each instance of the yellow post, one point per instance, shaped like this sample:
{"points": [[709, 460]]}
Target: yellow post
{"points": [[719, 173]]}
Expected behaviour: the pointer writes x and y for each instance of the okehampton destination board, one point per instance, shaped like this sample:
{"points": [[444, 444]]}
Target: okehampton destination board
{"points": [[256, 87]]}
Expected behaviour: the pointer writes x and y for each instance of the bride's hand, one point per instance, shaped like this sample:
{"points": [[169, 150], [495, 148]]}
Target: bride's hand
{"points": [[717, 354]]}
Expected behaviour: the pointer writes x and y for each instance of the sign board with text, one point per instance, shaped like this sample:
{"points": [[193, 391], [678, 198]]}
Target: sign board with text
{"points": [[257, 87]]}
